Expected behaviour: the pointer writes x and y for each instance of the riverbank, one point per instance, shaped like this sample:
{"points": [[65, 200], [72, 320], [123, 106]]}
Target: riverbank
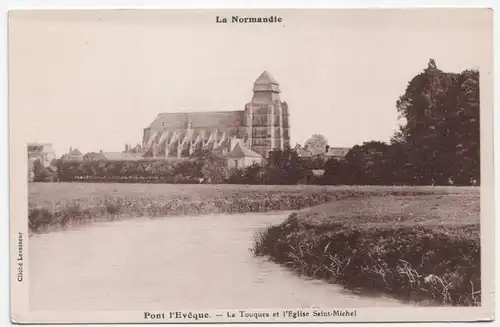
{"points": [[56, 205], [61, 205], [420, 246]]}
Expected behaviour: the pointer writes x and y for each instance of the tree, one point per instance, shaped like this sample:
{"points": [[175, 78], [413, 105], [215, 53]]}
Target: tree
{"points": [[211, 168], [368, 164], [354, 164], [248, 175], [316, 144], [442, 126], [334, 172], [283, 167], [467, 131], [400, 136], [40, 174], [398, 166]]}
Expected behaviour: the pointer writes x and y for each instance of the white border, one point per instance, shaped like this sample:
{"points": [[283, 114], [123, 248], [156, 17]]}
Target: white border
{"points": [[143, 4]]}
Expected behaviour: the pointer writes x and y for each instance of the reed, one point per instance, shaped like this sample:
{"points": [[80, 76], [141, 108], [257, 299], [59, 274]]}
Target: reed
{"points": [[52, 208], [434, 257]]}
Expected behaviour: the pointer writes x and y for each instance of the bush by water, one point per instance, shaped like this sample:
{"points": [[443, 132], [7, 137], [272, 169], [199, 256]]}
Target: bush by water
{"points": [[413, 253]]}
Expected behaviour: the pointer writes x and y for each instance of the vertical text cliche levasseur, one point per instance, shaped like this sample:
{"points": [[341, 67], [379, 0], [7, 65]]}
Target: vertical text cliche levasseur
{"points": [[20, 257]]}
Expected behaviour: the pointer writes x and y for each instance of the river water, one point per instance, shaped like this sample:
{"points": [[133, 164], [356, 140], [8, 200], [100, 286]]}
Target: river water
{"points": [[194, 263]]}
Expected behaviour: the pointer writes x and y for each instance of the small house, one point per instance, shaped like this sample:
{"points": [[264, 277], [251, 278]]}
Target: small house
{"points": [[336, 153], [114, 156], [73, 155], [241, 156]]}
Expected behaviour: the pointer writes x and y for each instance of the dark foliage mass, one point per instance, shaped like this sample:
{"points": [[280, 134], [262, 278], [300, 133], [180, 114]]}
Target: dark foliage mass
{"points": [[205, 168], [413, 262], [437, 145], [440, 140]]}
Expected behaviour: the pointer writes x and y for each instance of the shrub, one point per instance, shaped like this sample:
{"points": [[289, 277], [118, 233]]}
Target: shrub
{"points": [[411, 262], [39, 218]]}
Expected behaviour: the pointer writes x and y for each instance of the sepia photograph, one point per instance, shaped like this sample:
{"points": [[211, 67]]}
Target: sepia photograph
{"points": [[229, 166]]}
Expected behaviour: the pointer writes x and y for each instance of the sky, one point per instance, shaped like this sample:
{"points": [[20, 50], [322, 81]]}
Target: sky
{"points": [[93, 80]]}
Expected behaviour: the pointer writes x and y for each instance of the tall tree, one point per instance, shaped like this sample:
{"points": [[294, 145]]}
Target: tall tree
{"points": [[442, 126], [467, 131]]}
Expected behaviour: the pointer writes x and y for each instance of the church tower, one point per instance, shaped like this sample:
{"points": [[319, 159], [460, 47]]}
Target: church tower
{"points": [[266, 117]]}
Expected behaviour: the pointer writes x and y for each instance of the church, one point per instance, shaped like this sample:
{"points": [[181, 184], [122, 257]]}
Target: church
{"points": [[262, 126]]}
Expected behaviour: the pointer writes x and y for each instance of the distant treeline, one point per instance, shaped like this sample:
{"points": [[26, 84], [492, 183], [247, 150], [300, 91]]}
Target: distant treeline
{"points": [[437, 145], [206, 168]]}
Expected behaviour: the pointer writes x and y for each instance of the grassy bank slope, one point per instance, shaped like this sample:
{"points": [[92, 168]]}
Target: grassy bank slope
{"points": [[62, 204], [423, 246]]}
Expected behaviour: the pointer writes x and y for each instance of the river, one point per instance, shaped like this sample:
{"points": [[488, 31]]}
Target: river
{"points": [[194, 263]]}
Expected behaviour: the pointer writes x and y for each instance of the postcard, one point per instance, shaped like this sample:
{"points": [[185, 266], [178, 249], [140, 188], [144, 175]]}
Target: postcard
{"points": [[271, 165]]}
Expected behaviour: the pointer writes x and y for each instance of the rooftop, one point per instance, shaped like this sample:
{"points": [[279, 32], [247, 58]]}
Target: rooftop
{"points": [[242, 152], [332, 152], [178, 120], [265, 78], [120, 156], [337, 152], [39, 147], [75, 152]]}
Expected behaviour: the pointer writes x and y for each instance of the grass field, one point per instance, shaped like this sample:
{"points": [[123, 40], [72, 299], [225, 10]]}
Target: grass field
{"points": [[60, 204], [411, 242], [50, 193]]}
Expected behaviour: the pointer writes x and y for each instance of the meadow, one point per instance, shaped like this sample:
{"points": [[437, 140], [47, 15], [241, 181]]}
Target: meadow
{"points": [[411, 242], [64, 204]]}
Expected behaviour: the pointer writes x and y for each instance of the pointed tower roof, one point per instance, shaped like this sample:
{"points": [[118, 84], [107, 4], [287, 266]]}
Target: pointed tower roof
{"points": [[242, 152], [265, 78], [265, 82]]}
